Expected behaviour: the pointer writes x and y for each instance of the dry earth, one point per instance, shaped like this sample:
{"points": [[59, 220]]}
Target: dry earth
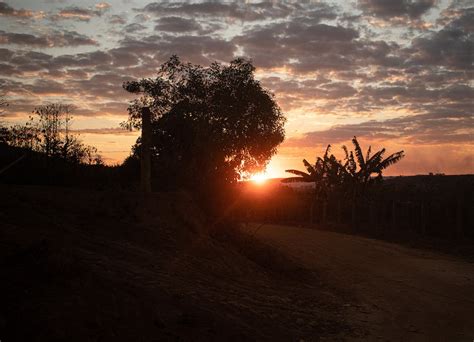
{"points": [[99, 266], [400, 293]]}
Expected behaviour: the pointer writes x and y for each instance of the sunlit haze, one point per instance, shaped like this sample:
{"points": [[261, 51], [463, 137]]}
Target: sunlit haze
{"points": [[259, 178]]}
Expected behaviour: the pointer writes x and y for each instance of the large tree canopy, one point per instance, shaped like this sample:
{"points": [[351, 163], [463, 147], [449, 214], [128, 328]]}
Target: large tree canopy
{"points": [[210, 124]]}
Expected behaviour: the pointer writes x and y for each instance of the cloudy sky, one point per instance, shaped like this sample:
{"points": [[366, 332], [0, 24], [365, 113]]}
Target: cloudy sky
{"points": [[396, 73]]}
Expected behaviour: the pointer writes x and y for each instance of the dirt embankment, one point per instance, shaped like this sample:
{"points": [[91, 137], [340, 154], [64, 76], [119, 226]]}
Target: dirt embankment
{"points": [[89, 266]]}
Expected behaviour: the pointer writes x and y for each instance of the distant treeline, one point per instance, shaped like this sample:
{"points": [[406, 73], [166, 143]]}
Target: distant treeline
{"points": [[23, 166]]}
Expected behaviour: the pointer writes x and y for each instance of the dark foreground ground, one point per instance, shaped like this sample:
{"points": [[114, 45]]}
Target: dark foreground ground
{"points": [[95, 266], [401, 294]]}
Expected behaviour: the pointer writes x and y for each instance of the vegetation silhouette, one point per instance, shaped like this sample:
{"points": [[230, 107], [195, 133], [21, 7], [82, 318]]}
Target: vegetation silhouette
{"points": [[325, 175], [49, 132], [45, 151], [210, 125], [3, 129], [351, 177]]}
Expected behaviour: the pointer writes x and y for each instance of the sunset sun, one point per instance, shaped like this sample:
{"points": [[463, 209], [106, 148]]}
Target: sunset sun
{"points": [[259, 178]]}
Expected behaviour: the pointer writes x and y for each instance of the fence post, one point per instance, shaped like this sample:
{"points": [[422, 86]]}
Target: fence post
{"points": [[423, 218], [373, 216], [323, 216], [145, 162], [339, 211], [459, 223], [394, 215]]}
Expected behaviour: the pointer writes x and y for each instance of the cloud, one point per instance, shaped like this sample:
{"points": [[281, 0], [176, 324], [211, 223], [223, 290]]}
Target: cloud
{"points": [[320, 64], [310, 47], [8, 11], [396, 8], [101, 6], [177, 24], [117, 19], [54, 39], [80, 13], [133, 28], [109, 130], [223, 11], [196, 49], [451, 47], [459, 13], [424, 129]]}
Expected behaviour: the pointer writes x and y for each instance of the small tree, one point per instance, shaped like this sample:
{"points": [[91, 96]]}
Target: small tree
{"points": [[53, 123], [352, 177], [359, 173], [25, 136], [324, 174], [3, 104], [3, 129], [49, 132], [211, 125]]}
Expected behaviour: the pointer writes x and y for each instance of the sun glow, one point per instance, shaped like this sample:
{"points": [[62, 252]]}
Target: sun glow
{"points": [[259, 178]]}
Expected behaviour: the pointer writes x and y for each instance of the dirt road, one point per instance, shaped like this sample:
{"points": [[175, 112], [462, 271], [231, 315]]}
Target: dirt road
{"points": [[399, 293]]}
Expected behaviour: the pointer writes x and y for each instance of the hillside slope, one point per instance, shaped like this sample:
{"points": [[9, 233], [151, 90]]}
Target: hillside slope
{"points": [[89, 266]]}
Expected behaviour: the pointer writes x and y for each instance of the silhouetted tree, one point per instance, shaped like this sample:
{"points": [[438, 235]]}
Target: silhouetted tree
{"points": [[3, 103], [25, 136], [351, 178], [3, 129], [48, 132], [325, 174], [359, 173], [210, 124]]}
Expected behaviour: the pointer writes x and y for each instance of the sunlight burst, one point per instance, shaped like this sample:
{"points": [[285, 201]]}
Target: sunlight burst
{"points": [[259, 178]]}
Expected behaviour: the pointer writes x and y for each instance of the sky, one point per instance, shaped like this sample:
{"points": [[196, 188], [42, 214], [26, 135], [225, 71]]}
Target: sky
{"points": [[396, 74]]}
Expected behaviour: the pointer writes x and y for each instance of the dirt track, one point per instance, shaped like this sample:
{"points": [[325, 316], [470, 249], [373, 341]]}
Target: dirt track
{"points": [[400, 294]]}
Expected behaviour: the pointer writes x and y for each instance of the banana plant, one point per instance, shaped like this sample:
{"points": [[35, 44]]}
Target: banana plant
{"points": [[324, 174], [360, 173]]}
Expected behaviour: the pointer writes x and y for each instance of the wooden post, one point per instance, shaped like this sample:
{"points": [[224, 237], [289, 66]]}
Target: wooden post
{"points": [[145, 158], [339, 211], [354, 214], [459, 219], [423, 218], [323, 216], [394, 215]]}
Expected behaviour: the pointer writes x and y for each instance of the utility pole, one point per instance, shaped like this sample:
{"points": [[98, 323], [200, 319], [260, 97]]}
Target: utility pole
{"points": [[145, 159]]}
